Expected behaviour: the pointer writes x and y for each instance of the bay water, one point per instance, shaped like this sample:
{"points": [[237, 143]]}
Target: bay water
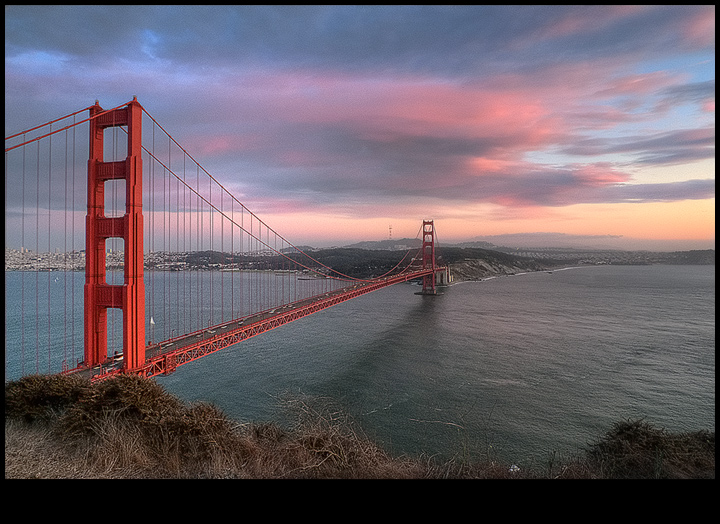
{"points": [[517, 368], [521, 368]]}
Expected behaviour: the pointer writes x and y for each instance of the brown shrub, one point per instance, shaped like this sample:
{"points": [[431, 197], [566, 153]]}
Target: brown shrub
{"points": [[637, 449], [129, 398], [130, 427], [42, 398]]}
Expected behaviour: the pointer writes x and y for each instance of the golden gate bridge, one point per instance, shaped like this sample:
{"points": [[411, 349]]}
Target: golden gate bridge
{"points": [[144, 200]]}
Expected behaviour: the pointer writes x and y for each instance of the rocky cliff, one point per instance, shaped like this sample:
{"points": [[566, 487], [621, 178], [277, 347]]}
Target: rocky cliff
{"points": [[477, 269]]}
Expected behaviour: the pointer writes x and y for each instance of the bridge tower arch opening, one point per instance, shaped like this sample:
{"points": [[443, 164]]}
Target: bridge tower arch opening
{"points": [[99, 295]]}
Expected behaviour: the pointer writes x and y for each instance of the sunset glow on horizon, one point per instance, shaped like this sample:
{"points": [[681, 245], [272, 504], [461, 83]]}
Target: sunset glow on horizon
{"points": [[336, 123]]}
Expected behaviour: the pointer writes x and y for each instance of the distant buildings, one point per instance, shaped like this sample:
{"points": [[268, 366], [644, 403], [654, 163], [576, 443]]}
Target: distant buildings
{"points": [[24, 259]]}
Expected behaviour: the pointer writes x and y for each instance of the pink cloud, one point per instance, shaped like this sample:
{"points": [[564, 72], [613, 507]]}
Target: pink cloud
{"points": [[509, 115], [600, 174], [411, 105], [408, 137], [699, 27]]}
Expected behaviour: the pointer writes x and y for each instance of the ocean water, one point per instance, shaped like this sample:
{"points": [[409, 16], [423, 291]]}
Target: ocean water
{"points": [[515, 368], [518, 368]]}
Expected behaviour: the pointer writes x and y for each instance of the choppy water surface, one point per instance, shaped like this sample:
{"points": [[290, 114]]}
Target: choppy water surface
{"points": [[513, 367]]}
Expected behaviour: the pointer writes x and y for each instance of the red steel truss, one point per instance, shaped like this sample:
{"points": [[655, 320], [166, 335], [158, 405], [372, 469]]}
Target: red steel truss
{"points": [[165, 357]]}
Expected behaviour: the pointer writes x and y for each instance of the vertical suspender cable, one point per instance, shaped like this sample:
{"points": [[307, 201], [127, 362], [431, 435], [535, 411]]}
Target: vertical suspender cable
{"points": [[198, 225], [211, 224], [222, 262], [185, 252], [242, 261], [177, 253], [149, 290], [166, 250], [37, 269], [151, 233], [224, 257], [72, 290], [24, 249], [49, 246], [65, 256], [233, 261]]}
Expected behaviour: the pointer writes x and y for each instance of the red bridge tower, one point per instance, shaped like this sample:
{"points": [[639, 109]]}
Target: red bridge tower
{"points": [[99, 295], [428, 257]]}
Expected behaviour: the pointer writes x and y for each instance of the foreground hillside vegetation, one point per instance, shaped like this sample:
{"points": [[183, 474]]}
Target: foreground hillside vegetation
{"points": [[130, 427]]}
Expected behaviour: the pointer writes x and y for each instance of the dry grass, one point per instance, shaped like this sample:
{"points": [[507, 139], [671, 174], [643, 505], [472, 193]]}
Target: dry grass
{"points": [[129, 427], [637, 449]]}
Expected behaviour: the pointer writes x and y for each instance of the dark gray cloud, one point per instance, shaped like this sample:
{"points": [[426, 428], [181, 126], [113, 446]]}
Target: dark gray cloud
{"points": [[463, 40], [662, 148], [697, 92]]}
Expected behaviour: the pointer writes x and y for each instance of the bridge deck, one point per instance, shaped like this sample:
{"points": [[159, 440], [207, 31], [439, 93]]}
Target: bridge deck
{"points": [[163, 358]]}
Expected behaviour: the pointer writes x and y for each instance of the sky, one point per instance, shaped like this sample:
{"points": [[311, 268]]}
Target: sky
{"points": [[338, 124]]}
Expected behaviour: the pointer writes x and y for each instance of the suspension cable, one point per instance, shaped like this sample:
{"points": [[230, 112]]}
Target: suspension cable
{"points": [[62, 128], [290, 244], [209, 202], [213, 179], [46, 123]]}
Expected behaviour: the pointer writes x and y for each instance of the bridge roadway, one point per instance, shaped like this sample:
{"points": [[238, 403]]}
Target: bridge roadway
{"points": [[163, 358]]}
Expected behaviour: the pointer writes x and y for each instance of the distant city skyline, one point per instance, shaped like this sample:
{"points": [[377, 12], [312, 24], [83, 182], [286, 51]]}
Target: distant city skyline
{"points": [[334, 122]]}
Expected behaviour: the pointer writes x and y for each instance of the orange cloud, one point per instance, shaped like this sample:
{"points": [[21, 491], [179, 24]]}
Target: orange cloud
{"points": [[481, 165]]}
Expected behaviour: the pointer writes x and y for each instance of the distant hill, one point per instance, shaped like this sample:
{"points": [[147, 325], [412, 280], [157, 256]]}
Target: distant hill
{"points": [[546, 240], [366, 259], [399, 244], [465, 263], [698, 257], [528, 241]]}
